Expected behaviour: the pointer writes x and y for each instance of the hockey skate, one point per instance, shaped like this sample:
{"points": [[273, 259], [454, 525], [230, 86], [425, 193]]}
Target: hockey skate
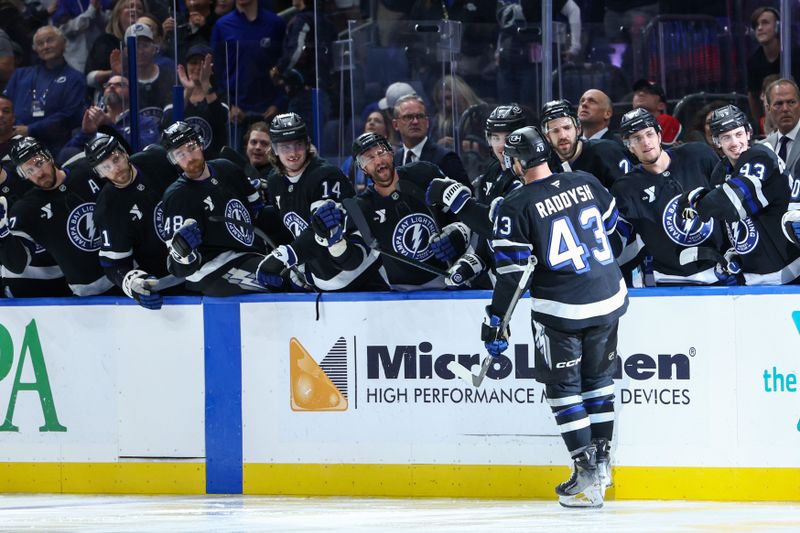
{"points": [[603, 462], [583, 488]]}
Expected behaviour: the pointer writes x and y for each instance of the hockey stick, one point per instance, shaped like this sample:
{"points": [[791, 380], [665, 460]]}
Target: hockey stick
{"points": [[357, 216], [465, 374], [269, 242], [701, 253]]}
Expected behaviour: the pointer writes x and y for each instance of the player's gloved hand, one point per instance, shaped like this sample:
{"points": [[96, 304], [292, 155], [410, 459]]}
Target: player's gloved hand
{"points": [[139, 285], [728, 271], [299, 280], [496, 341], [451, 242], [444, 192], [328, 222], [259, 184], [183, 245], [791, 225], [4, 231], [465, 269], [270, 268], [687, 203], [494, 209]]}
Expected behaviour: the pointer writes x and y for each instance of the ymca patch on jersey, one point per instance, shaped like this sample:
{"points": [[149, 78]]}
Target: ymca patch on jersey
{"points": [[684, 232], [81, 230], [412, 236], [294, 223], [158, 221], [744, 236], [236, 209]]}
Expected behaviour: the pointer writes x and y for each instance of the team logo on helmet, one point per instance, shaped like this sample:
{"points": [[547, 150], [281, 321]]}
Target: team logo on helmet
{"points": [[81, 230], [412, 236], [236, 209], [514, 138], [294, 223], [158, 221], [684, 232], [744, 236], [203, 129]]}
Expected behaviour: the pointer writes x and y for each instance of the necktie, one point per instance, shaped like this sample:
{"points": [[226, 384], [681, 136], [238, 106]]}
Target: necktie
{"points": [[782, 149], [409, 157]]}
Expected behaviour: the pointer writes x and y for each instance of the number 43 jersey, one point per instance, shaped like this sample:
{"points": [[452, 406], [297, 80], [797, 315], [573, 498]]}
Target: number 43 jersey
{"points": [[564, 221]]}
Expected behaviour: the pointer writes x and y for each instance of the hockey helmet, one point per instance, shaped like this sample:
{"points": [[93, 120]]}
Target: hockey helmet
{"points": [[728, 118], [179, 134], [100, 147], [287, 127], [528, 146], [559, 109], [367, 140], [636, 120], [505, 119], [25, 148]]}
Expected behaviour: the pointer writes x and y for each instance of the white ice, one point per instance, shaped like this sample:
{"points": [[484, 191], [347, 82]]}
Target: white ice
{"points": [[114, 514]]}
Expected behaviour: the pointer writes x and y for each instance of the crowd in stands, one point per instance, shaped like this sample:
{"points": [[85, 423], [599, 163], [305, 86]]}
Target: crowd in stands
{"points": [[68, 78]]}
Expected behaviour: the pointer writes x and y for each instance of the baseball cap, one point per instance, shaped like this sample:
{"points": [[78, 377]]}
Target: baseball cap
{"points": [[650, 87], [394, 92], [139, 30], [671, 129], [198, 50]]}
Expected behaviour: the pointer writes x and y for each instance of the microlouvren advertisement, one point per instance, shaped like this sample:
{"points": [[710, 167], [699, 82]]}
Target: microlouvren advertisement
{"points": [[374, 374]]}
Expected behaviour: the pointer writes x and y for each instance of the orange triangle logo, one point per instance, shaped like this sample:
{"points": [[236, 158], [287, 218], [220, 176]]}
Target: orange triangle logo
{"points": [[312, 388]]}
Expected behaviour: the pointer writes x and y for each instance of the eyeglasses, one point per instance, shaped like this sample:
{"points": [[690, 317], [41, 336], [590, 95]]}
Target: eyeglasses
{"points": [[115, 84], [110, 163], [33, 166], [413, 116], [183, 152], [380, 152]]}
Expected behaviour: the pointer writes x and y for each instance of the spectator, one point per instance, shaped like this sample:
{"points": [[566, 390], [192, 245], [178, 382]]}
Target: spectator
{"points": [[222, 7], [247, 44], [701, 125], [7, 59], [98, 65], [451, 97], [394, 92], [203, 109], [48, 97], [766, 59], [651, 96], [7, 120], [411, 121], [81, 26], [111, 116], [154, 83], [783, 106], [163, 56], [300, 47], [594, 111], [194, 28]]}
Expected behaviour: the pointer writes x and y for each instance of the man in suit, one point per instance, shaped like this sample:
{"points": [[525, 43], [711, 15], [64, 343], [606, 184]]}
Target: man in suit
{"points": [[783, 106], [411, 121], [594, 112]]}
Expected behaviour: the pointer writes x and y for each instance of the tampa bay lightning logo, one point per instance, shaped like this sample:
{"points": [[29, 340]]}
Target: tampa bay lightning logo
{"points": [[81, 230], [684, 232], [236, 209], [158, 221], [156, 113], [744, 236], [203, 128], [294, 223], [412, 236]]}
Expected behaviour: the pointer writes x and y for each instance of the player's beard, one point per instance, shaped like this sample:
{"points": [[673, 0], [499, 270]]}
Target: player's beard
{"points": [[195, 167], [47, 180], [660, 150], [567, 152], [383, 174]]}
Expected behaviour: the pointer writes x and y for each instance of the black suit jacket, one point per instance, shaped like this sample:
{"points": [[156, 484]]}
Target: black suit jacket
{"points": [[447, 160]]}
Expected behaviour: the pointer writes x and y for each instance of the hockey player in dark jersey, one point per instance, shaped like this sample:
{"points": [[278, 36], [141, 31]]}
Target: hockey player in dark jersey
{"points": [[647, 198], [498, 180], [217, 256], [753, 197], [301, 184], [58, 213], [42, 277], [604, 159], [130, 218], [561, 224], [401, 222]]}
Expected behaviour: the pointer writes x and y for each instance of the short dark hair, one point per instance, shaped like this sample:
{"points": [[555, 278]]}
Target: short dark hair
{"points": [[760, 11]]}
